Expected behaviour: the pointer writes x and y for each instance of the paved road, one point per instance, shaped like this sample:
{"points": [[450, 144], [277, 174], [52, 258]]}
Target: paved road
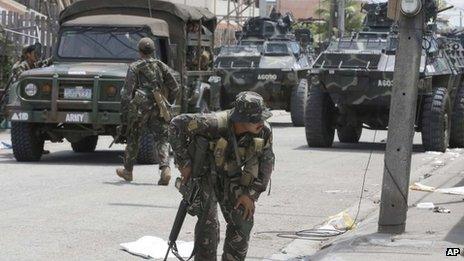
{"points": [[72, 206]]}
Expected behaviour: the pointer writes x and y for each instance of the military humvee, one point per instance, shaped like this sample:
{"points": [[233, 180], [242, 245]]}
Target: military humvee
{"points": [[351, 84], [78, 97], [269, 60]]}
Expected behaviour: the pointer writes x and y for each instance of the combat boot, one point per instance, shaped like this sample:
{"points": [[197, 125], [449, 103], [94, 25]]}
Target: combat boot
{"points": [[165, 176], [125, 174]]}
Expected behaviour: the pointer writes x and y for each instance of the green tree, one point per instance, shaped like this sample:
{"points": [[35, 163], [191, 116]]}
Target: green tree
{"points": [[353, 19], [6, 61]]}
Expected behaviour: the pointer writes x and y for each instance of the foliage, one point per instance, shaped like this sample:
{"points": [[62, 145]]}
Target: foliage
{"points": [[6, 58], [353, 19]]}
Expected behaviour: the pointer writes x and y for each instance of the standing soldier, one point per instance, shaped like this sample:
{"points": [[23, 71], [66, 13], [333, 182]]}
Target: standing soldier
{"points": [[238, 169], [29, 60], [149, 83]]}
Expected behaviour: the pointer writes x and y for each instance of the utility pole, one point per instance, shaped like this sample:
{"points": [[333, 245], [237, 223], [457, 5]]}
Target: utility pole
{"points": [[332, 22], [341, 18], [395, 185], [460, 19], [262, 8]]}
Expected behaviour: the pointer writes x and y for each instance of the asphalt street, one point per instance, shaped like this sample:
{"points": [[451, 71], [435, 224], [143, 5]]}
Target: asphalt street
{"points": [[73, 207]]}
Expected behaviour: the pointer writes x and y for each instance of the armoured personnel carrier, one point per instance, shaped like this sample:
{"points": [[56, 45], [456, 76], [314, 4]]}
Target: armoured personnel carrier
{"points": [[270, 60], [78, 97], [351, 84]]}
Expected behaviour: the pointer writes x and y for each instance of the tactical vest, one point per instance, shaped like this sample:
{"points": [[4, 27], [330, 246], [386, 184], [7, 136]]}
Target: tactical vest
{"points": [[149, 88], [149, 75], [247, 164]]}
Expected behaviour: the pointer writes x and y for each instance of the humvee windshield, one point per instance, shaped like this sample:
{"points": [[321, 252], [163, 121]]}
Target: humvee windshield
{"points": [[102, 43]]}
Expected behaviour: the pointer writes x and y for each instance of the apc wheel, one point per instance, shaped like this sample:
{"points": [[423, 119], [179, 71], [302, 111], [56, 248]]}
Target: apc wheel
{"points": [[298, 102], [27, 144], [87, 144], [318, 119], [349, 134], [436, 121], [147, 153], [457, 121]]}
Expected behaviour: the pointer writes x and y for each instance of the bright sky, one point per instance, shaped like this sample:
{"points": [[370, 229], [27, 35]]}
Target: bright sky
{"points": [[453, 15]]}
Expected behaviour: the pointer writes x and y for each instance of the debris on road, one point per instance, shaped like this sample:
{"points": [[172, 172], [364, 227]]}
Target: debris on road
{"points": [[421, 187], [155, 247], [342, 221], [5, 146], [452, 191], [441, 210], [425, 205], [438, 163]]}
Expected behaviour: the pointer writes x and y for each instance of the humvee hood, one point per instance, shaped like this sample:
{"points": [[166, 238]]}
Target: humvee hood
{"points": [[84, 69]]}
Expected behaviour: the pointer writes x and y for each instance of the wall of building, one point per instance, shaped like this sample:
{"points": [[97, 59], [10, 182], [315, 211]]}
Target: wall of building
{"points": [[299, 8], [219, 7]]}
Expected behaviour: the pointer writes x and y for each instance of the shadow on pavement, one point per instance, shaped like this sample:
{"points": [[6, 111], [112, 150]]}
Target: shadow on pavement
{"points": [[142, 205], [456, 234], [361, 146], [125, 183], [99, 157]]}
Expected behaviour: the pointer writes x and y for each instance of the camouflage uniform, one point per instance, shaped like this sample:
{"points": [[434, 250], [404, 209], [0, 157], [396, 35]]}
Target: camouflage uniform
{"points": [[222, 178], [139, 109], [18, 68]]}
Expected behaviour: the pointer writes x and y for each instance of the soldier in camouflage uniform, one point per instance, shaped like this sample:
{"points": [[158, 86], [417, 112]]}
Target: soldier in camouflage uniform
{"points": [[141, 112], [29, 60], [239, 168]]}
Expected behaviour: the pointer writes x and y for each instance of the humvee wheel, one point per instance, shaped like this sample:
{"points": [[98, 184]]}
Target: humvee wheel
{"points": [[87, 144], [349, 134], [318, 119], [147, 153], [436, 119], [457, 121], [27, 144], [298, 102]]}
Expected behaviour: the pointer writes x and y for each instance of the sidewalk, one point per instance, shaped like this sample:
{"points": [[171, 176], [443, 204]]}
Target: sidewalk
{"points": [[427, 236]]}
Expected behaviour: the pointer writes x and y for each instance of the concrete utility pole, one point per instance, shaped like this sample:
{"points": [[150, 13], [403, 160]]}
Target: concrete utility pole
{"points": [[395, 185], [341, 17]]}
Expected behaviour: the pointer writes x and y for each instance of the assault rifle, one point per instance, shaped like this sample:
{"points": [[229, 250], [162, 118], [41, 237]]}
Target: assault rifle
{"points": [[198, 151]]}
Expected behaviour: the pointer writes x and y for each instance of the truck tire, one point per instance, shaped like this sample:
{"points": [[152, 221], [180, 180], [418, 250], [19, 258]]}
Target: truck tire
{"points": [[27, 144], [436, 119], [147, 153], [298, 102], [318, 119], [349, 133], [87, 144], [457, 121]]}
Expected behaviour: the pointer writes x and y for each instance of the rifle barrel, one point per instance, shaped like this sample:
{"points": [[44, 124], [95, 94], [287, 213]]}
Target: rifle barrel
{"points": [[445, 9]]}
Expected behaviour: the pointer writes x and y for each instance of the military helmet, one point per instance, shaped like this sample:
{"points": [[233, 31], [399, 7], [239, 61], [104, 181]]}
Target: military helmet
{"points": [[37, 47], [249, 107], [146, 45]]}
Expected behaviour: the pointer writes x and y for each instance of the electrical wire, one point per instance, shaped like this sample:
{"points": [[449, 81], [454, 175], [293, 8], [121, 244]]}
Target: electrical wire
{"points": [[318, 234]]}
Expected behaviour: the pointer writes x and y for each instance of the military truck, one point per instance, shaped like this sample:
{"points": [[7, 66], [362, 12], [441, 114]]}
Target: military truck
{"points": [[270, 60], [78, 97], [351, 84]]}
